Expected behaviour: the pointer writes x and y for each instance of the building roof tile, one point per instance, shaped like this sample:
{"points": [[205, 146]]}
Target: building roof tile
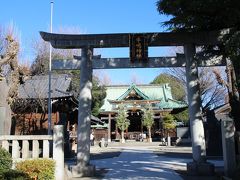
{"points": [[149, 92], [37, 87]]}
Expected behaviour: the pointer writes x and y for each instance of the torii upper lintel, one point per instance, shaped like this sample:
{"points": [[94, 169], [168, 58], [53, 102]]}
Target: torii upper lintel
{"points": [[72, 41]]}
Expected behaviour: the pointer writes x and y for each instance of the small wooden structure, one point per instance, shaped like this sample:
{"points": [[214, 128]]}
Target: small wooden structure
{"points": [[30, 110]]}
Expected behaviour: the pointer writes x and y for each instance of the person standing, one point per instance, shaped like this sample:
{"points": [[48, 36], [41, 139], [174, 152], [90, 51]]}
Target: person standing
{"points": [[92, 138]]}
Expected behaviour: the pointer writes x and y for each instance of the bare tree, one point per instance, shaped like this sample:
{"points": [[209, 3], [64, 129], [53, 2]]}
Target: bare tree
{"points": [[2, 40], [11, 74], [41, 63], [41, 50], [135, 79], [103, 76], [212, 93]]}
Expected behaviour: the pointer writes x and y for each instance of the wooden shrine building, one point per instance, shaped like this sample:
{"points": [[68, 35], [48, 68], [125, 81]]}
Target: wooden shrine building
{"points": [[135, 98], [30, 109]]}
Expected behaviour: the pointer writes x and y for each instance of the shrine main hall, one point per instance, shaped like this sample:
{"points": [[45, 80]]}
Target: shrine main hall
{"points": [[135, 98]]}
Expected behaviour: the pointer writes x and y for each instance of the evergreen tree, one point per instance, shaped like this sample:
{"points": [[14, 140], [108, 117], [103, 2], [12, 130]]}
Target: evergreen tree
{"points": [[148, 120], [182, 116], [176, 85], [168, 122], [122, 121], [98, 95]]}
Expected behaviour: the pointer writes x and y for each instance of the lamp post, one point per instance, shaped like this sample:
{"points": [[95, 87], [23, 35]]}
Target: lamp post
{"points": [[49, 78]]}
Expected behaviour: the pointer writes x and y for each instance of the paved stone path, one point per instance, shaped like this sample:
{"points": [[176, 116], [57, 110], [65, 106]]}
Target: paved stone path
{"points": [[138, 163], [141, 162]]}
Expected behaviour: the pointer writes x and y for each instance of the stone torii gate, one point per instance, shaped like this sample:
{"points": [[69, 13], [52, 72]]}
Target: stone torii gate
{"points": [[87, 62]]}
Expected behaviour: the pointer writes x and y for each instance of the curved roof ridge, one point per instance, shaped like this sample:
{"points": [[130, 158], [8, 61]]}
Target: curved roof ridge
{"points": [[136, 89], [144, 85]]}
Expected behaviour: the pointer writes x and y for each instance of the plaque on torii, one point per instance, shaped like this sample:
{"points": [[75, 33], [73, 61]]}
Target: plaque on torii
{"points": [[138, 48]]}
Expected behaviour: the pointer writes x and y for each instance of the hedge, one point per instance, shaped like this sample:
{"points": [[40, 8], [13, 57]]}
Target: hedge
{"points": [[40, 169], [5, 159]]}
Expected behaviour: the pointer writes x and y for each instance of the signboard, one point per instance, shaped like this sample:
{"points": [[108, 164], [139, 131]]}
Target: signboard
{"points": [[138, 48]]}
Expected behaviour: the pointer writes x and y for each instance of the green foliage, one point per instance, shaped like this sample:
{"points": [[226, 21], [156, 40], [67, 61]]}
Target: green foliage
{"points": [[11, 174], [5, 168], [98, 95], [232, 49], [5, 159], [37, 168], [98, 91], [199, 15], [147, 117], [121, 119], [176, 85], [182, 116], [168, 122]]}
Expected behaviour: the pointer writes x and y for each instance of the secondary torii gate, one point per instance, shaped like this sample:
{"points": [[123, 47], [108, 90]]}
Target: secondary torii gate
{"points": [[87, 62]]}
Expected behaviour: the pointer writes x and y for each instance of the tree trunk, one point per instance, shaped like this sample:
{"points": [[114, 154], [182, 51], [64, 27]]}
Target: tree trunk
{"points": [[149, 135], [6, 117], [122, 138], [234, 94]]}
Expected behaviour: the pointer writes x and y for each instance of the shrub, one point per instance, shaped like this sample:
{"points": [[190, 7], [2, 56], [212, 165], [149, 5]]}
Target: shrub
{"points": [[5, 159], [10, 174], [40, 169]]}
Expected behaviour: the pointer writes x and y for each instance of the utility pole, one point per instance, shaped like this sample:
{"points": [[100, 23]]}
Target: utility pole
{"points": [[49, 78]]}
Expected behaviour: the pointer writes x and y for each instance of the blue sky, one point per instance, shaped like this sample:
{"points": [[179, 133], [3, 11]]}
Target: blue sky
{"points": [[90, 16]]}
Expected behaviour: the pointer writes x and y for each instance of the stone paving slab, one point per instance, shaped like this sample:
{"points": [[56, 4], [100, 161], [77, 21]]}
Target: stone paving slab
{"points": [[143, 162], [136, 163]]}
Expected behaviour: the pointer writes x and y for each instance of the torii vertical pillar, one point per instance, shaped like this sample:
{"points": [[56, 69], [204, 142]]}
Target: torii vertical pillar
{"points": [[83, 168], [199, 164]]}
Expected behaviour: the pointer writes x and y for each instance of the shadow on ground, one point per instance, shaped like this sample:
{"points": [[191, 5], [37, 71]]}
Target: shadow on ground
{"points": [[104, 155], [174, 154], [217, 176]]}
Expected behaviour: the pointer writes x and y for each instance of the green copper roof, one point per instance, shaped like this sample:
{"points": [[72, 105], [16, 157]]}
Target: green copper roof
{"points": [[133, 88], [171, 104], [147, 92]]}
